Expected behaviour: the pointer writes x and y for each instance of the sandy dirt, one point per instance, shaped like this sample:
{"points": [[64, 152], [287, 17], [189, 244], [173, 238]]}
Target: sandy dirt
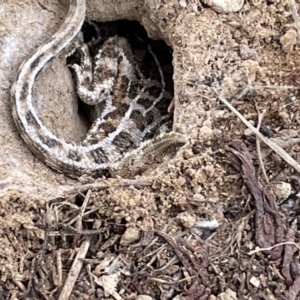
{"points": [[144, 236]]}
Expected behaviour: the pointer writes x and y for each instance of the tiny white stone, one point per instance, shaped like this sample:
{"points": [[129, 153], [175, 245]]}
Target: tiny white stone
{"points": [[255, 281], [207, 224], [225, 6]]}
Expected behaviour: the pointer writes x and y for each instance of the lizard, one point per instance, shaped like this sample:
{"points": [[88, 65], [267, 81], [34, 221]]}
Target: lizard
{"points": [[122, 152]]}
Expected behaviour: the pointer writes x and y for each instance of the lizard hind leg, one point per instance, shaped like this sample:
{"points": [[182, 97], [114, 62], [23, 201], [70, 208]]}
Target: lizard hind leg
{"points": [[149, 152]]}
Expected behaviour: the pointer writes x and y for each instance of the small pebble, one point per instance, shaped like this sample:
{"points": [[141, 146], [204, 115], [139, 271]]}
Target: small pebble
{"points": [[225, 6], [130, 236], [282, 190], [288, 40], [254, 281], [228, 295]]}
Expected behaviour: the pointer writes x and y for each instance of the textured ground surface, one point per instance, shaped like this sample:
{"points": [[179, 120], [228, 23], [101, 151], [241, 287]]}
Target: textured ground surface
{"points": [[252, 59]]}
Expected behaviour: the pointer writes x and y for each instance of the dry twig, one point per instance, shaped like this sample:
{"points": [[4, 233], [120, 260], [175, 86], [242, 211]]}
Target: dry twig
{"points": [[75, 270], [261, 163]]}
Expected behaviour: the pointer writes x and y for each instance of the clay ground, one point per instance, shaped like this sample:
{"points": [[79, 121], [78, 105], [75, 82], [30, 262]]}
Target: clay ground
{"points": [[147, 236]]}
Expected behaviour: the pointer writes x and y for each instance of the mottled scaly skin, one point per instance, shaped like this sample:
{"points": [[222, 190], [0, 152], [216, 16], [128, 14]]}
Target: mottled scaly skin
{"points": [[121, 151]]}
